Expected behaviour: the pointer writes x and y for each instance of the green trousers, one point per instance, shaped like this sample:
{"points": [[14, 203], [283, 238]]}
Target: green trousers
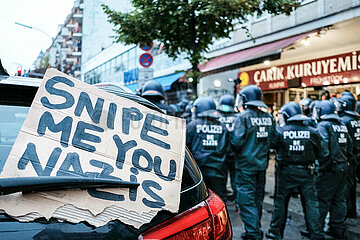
{"points": [[250, 186], [332, 188], [290, 178]]}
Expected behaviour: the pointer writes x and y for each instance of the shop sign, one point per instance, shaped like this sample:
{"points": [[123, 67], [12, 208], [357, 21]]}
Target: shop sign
{"points": [[338, 69]]}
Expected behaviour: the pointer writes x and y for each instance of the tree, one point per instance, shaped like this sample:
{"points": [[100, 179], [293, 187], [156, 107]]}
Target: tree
{"points": [[189, 26]]}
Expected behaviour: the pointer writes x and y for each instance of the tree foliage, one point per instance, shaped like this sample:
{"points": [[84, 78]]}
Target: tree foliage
{"points": [[189, 26]]}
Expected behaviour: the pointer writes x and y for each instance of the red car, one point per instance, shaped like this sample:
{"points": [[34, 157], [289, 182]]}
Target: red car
{"points": [[202, 214]]}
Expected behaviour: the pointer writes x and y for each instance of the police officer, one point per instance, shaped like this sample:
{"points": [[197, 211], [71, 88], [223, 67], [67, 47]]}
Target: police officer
{"points": [[187, 115], [154, 92], [226, 108], [208, 140], [305, 106], [297, 145], [352, 121], [336, 150], [254, 129]]}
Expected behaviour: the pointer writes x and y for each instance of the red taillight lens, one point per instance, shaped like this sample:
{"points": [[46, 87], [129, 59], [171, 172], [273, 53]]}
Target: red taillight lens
{"points": [[221, 220], [207, 220]]}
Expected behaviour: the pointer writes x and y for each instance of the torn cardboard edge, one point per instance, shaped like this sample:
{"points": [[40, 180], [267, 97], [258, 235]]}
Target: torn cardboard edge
{"points": [[73, 214]]}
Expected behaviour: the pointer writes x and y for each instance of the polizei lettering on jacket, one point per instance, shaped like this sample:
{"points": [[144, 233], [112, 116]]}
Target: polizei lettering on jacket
{"points": [[296, 134], [340, 128], [215, 129], [355, 123], [261, 121]]}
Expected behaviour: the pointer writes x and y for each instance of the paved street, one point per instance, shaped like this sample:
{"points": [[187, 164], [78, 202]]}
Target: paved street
{"points": [[295, 220]]}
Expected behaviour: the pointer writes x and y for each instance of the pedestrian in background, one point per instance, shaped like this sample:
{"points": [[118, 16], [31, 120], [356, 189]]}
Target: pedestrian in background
{"points": [[254, 129], [298, 146], [208, 140]]}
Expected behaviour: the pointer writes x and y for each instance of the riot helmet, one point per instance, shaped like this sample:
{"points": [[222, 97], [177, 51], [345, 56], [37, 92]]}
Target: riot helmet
{"points": [[290, 109], [153, 90], [226, 103], [347, 93], [312, 106], [349, 102], [305, 105], [182, 105], [250, 95], [358, 107], [287, 111], [324, 107], [339, 104], [205, 107]]}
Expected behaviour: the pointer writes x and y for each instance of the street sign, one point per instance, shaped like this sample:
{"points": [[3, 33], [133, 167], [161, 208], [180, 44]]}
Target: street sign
{"points": [[146, 47], [146, 59], [145, 74]]}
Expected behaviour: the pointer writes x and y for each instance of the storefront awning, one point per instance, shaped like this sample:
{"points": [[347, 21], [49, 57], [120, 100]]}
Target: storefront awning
{"points": [[249, 54], [132, 86], [165, 81]]}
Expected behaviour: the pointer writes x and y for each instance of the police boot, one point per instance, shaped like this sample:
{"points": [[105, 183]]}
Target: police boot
{"points": [[245, 237], [270, 235], [305, 233], [336, 234]]}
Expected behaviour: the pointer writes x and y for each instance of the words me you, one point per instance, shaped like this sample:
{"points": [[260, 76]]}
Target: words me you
{"points": [[74, 129]]}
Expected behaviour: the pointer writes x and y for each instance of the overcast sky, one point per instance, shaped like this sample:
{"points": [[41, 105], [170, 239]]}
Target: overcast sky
{"points": [[19, 45]]}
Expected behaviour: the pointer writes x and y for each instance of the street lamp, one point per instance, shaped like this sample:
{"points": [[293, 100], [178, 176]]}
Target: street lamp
{"points": [[35, 28]]}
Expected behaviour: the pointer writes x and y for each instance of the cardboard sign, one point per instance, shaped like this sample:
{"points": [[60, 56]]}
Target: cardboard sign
{"points": [[75, 129]]}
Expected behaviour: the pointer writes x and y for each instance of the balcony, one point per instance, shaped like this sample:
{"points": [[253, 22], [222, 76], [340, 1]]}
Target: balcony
{"points": [[70, 26], [69, 60], [77, 35], [76, 54], [59, 39], [78, 17], [65, 32], [69, 43]]}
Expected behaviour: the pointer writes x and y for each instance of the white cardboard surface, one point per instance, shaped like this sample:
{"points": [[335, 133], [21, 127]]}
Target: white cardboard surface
{"points": [[153, 136]]}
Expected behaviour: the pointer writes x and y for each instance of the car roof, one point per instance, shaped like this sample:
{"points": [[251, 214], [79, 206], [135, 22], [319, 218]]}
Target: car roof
{"points": [[21, 81], [114, 88]]}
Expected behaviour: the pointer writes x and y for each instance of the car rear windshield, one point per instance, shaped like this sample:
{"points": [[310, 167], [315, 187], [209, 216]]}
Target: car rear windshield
{"points": [[11, 120]]}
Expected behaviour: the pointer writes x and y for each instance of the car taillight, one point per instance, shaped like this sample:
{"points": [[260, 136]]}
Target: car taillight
{"points": [[207, 220], [222, 225]]}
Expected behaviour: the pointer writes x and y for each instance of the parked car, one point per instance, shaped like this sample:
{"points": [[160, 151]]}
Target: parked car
{"points": [[202, 214]]}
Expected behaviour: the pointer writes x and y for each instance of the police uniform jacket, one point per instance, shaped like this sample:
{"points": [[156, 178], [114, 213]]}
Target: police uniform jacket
{"points": [[228, 118], [336, 145], [165, 108], [352, 121], [208, 140], [297, 142], [253, 132]]}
